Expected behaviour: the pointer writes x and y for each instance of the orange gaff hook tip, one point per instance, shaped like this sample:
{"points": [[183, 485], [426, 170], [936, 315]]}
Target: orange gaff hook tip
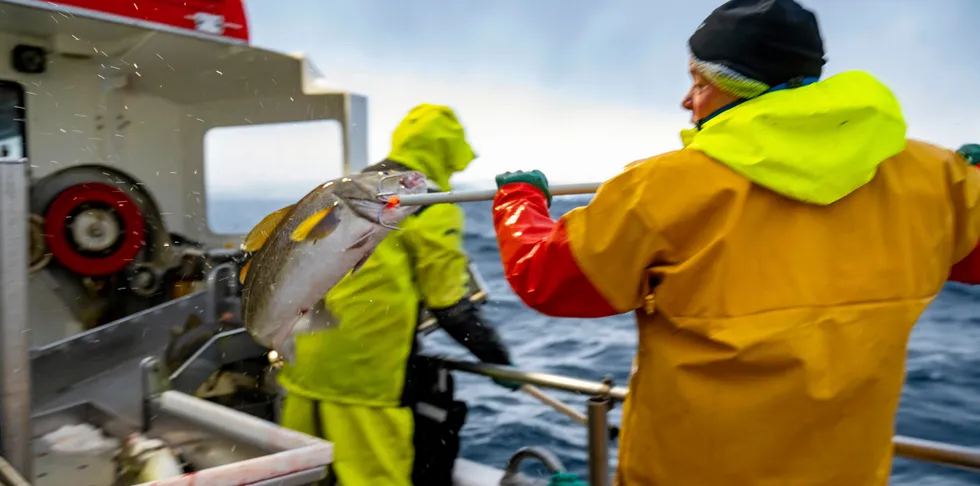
{"points": [[393, 202]]}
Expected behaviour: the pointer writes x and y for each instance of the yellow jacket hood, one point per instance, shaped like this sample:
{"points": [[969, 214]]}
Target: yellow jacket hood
{"points": [[430, 139], [816, 143]]}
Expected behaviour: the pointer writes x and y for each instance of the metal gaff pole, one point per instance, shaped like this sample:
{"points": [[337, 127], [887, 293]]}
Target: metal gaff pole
{"points": [[487, 194]]}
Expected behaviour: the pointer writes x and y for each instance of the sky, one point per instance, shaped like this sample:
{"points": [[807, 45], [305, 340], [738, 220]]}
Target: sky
{"points": [[580, 89]]}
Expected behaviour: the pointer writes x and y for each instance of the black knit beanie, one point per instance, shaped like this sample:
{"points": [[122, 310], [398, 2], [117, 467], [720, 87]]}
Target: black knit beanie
{"points": [[768, 41]]}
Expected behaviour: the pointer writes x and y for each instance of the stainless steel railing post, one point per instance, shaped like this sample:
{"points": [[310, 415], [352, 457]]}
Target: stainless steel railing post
{"points": [[598, 424], [15, 364], [598, 409]]}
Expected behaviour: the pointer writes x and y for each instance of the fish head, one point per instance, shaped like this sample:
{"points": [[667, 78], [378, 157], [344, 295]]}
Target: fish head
{"points": [[367, 194]]}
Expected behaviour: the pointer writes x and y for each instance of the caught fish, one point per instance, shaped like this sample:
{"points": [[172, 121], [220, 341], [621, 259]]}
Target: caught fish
{"points": [[318, 319], [142, 460], [301, 251]]}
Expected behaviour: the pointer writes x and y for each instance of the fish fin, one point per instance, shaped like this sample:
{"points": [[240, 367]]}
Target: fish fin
{"points": [[241, 275], [303, 324], [317, 226], [360, 263], [284, 333], [260, 233], [321, 318], [360, 241]]}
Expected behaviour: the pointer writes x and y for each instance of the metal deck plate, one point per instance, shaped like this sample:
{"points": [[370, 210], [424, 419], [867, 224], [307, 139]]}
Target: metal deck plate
{"points": [[102, 365], [54, 469]]}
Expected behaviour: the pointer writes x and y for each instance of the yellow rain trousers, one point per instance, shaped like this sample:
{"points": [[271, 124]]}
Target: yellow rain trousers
{"points": [[776, 266], [356, 371], [370, 445]]}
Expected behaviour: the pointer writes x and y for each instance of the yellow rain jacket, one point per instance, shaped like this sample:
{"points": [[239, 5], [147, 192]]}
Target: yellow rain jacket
{"points": [[776, 266], [357, 370]]}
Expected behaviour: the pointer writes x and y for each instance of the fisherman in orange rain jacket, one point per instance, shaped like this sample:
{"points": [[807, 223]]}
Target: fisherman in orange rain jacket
{"points": [[791, 246]]}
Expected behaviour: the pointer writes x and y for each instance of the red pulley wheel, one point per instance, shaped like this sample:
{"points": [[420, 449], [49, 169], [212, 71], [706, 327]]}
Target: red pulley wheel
{"points": [[57, 228]]}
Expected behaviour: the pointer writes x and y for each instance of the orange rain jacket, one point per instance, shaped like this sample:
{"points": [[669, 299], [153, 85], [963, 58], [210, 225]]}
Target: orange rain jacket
{"points": [[776, 266]]}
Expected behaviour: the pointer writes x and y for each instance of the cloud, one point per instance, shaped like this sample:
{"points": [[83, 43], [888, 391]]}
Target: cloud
{"points": [[579, 89], [515, 126], [510, 126]]}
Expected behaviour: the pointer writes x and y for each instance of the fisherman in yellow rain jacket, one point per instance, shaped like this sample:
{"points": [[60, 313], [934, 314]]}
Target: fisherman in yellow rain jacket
{"points": [[357, 384], [776, 264]]}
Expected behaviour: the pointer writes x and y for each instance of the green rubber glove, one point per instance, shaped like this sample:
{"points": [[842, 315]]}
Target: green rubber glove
{"points": [[970, 152], [510, 385], [535, 177]]}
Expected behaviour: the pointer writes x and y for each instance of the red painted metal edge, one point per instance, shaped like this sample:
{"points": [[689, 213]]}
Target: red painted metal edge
{"points": [[223, 18]]}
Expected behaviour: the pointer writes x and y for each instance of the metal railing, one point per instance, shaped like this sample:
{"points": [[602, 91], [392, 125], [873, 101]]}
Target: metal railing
{"points": [[604, 393], [289, 457], [15, 365]]}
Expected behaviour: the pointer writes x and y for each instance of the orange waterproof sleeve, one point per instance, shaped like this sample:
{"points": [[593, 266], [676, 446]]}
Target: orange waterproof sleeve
{"points": [[653, 216], [967, 270], [966, 198], [538, 261], [605, 258]]}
